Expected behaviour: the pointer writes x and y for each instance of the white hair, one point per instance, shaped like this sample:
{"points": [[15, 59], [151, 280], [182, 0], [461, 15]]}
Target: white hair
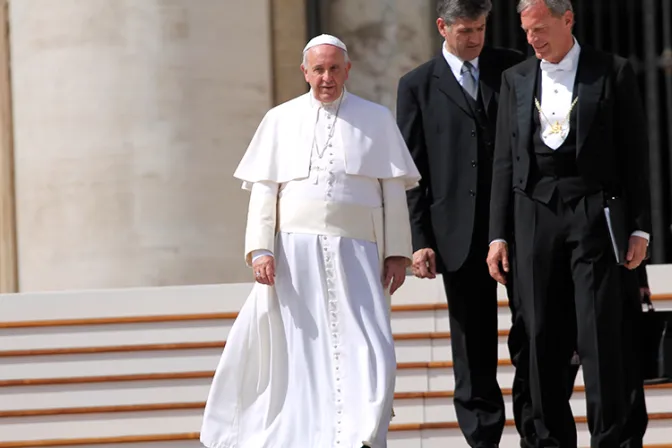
{"points": [[557, 7], [304, 61]]}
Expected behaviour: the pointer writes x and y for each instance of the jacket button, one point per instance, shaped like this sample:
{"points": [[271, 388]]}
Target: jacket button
{"points": [[473, 163], [473, 133], [472, 193], [520, 180]]}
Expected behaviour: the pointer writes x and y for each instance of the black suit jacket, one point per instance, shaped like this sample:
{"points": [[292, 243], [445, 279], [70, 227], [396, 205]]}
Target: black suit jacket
{"points": [[439, 128], [612, 142]]}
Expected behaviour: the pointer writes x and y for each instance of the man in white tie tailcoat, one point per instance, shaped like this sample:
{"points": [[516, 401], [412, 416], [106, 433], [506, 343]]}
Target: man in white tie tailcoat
{"points": [[571, 135]]}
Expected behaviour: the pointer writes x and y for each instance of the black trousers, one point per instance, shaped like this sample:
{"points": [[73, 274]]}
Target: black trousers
{"points": [[637, 418], [550, 238], [472, 308], [519, 351]]}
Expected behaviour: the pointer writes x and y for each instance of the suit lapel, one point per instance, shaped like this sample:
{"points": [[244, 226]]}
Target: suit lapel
{"points": [[589, 84], [447, 84], [525, 82]]}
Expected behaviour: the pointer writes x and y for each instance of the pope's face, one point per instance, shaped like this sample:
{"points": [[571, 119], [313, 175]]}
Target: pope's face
{"points": [[326, 70]]}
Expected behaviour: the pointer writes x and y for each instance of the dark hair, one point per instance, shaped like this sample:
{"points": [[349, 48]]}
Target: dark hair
{"points": [[452, 10]]}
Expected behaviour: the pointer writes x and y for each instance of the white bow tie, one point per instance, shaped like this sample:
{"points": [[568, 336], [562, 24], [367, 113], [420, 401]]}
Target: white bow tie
{"points": [[564, 65]]}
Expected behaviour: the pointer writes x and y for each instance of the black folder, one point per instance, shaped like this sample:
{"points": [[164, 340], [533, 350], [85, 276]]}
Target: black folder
{"points": [[617, 222]]}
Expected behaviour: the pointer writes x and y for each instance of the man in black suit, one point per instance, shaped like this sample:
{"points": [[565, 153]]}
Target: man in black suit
{"points": [[447, 110], [571, 132]]}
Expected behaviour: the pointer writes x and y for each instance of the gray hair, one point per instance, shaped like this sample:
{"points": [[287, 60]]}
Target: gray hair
{"points": [[304, 61], [452, 10], [557, 7]]}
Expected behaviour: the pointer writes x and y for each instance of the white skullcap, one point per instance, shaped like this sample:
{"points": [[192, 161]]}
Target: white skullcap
{"points": [[325, 39]]}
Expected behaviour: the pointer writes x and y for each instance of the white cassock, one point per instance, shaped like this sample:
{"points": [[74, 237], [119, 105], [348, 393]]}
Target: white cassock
{"points": [[310, 362]]}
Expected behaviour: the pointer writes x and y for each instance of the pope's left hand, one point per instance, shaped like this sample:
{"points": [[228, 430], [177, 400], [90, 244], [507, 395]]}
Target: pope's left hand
{"points": [[636, 252], [394, 273]]}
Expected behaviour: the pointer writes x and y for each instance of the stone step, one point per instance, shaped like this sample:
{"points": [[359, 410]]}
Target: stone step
{"points": [[414, 435]]}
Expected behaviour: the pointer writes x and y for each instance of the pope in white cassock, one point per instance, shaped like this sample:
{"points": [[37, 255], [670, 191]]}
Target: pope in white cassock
{"points": [[310, 362]]}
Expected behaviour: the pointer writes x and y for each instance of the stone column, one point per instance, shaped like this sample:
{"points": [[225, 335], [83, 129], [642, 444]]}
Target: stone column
{"points": [[130, 118], [8, 276], [385, 39], [289, 38]]}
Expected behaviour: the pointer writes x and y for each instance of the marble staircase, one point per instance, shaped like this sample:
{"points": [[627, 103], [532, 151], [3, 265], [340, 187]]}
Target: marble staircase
{"points": [[131, 368]]}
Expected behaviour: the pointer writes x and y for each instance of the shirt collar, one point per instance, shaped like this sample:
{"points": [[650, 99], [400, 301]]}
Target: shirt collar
{"points": [[456, 63], [316, 104], [569, 63]]}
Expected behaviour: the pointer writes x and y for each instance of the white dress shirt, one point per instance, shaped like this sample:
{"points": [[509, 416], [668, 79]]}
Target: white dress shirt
{"points": [[557, 87], [456, 64]]}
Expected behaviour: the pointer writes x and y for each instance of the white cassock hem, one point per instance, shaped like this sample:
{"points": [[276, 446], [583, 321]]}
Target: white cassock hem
{"points": [[310, 362]]}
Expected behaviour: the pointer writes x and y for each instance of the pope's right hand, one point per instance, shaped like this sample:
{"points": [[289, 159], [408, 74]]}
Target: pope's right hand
{"points": [[498, 254], [264, 270], [424, 263]]}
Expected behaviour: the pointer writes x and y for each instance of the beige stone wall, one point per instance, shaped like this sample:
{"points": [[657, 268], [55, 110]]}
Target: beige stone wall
{"points": [[289, 38], [385, 39], [8, 274], [130, 117]]}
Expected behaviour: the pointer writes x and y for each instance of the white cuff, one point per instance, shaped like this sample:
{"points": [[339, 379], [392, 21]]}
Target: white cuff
{"points": [[641, 234], [497, 241], [260, 253]]}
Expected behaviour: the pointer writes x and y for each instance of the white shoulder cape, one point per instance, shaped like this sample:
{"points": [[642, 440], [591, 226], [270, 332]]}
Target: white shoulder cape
{"points": [[281, 147]]}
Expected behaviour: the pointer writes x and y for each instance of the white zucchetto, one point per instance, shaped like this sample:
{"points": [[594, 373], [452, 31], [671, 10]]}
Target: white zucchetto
{"points": [[325, 39]]}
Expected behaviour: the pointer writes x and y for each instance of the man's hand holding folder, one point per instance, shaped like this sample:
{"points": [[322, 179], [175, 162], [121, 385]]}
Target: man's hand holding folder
{"points": [[621, 238], [637, 247]]}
